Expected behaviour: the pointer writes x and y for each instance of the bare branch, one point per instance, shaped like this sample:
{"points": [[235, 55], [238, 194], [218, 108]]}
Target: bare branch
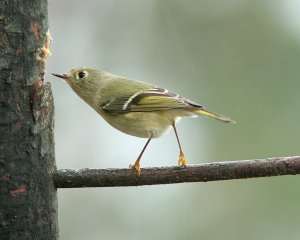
{"points": [[67, 178]]}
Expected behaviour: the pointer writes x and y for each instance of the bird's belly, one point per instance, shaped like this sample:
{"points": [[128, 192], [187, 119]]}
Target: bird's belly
{"points": [[142, 124]]}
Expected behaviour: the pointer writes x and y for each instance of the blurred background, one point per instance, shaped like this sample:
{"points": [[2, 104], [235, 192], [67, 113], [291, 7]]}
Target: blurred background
{"points": [[236, 57]]}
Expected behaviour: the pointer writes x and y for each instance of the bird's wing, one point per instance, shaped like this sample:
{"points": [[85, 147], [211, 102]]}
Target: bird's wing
{"points": [[154, 99]]}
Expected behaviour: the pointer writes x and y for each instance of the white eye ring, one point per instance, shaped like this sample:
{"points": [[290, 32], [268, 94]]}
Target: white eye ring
{"points": [[82, 74]]}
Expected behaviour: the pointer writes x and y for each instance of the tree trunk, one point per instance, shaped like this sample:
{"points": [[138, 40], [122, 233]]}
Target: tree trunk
{"points": [[28, 202]]}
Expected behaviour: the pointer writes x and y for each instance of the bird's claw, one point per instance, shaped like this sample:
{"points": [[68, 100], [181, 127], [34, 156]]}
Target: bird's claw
{"points": [[136, 167], [181, 160]]}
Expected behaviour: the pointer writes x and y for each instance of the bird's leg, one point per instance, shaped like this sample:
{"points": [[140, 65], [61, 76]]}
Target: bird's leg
{"points": [[136, 165], [182, 159]]}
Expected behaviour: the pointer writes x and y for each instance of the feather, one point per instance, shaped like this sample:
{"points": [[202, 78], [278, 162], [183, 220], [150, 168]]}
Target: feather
{"points": [[155, 99]]}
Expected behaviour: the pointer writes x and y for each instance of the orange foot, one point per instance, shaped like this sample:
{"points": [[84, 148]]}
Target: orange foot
{"points": [[136, 167], [182, 159]]}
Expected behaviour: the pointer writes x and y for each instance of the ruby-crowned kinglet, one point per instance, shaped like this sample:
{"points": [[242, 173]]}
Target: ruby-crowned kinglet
{"points": [[134, 107]]}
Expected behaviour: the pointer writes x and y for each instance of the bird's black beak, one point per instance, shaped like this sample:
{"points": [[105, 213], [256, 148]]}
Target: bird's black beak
{"points": [[63, 76]]}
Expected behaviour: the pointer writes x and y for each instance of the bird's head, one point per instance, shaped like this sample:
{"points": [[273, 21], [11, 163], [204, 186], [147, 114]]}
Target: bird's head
{"points": [[84, 81]]}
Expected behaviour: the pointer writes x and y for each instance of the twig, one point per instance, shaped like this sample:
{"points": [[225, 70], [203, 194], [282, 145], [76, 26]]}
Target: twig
{"points": [[67, 178]]}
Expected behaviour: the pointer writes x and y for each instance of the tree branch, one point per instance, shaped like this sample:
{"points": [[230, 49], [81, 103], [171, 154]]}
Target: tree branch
{"points": [[67, 178]]}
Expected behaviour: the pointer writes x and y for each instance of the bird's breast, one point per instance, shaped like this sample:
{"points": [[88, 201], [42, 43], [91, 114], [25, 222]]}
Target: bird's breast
{"points": [[141, 124]]}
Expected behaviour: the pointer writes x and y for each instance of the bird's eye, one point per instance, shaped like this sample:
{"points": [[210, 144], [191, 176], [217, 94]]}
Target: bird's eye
{"points": [[81, 74]]}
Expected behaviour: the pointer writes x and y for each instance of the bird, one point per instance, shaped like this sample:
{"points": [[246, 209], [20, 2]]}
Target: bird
{"points": [[134, 107]]}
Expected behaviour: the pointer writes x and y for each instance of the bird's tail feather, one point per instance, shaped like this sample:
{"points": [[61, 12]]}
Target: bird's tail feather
{"points": [[212, 115]]}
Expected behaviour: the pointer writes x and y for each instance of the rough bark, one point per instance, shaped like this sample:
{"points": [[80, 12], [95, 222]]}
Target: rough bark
{"points": [[66, 178], [28, 204]]}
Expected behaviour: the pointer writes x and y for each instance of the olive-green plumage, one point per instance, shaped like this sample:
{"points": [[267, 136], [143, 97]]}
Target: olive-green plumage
{"points": [[133, 107]]}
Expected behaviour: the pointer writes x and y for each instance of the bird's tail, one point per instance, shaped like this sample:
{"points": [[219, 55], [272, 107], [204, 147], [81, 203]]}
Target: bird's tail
{"points": [[212, 115]]}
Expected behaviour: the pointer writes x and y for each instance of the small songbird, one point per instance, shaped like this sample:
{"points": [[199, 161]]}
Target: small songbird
{"points": [[134, 107]]}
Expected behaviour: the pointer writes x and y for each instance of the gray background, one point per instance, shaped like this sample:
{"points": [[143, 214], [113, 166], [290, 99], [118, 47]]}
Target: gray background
{"points": [[239, 58]]}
